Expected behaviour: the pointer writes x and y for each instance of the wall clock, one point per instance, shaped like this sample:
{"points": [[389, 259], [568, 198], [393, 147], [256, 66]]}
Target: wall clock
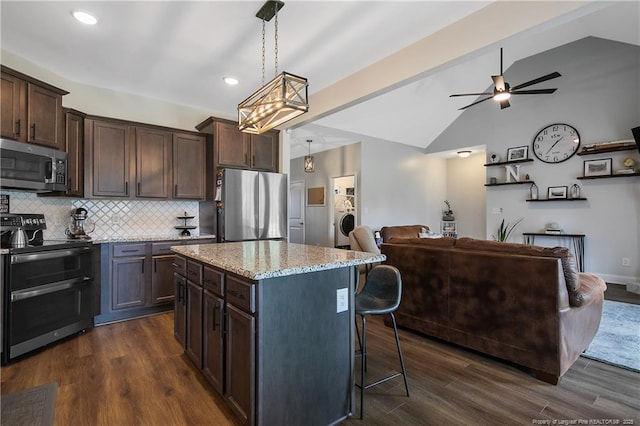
{"points": [[556, 143]]}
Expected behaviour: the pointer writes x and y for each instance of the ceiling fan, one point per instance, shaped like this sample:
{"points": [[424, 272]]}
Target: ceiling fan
{"points": [[502, 91]]}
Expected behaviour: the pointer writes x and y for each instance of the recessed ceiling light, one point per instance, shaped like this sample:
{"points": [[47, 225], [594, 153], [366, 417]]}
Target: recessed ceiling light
{"points": [[84, 17], [231, 81]]}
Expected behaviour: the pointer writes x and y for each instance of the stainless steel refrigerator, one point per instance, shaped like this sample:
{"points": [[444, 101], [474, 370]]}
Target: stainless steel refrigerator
{"points": [[251, 205]]}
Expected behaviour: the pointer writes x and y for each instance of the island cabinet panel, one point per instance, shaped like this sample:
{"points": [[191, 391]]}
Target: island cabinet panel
{"points": [[240, 359], [180, 308], [193, 345], [213, 340]]}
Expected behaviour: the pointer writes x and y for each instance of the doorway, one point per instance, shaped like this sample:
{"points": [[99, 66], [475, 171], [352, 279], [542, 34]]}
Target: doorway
{"points": [[344, 209], [296, 212]]}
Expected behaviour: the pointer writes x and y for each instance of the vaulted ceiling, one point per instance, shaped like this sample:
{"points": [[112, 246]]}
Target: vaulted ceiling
{"points": [[375, 68]]}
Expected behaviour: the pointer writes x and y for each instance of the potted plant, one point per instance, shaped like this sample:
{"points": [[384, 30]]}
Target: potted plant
{"points": [[447, 213], [505, 230]]}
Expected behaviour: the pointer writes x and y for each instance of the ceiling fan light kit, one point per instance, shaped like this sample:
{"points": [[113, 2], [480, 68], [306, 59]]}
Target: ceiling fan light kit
{"points": [[502, 91], [280, 100]]}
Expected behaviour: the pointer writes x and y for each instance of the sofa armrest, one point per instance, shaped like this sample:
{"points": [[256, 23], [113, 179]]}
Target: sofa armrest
{"points": [[590, 289]]}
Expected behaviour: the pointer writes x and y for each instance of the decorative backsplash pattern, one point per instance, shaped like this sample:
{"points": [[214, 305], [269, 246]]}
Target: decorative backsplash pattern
{"points": [[112, 218]]}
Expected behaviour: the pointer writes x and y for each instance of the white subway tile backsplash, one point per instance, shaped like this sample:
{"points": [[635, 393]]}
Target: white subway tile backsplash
{"points": [[112, 218]]}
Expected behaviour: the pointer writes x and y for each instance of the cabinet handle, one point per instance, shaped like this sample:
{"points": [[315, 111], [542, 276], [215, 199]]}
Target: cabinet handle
{"points": [[143, 266], [138, 190], [180, 293], [175, 190], [246, 159], [126, 189], [253, 161], [129, 251], [33, 131], [215, 305], [17, 130], [155, 266]]}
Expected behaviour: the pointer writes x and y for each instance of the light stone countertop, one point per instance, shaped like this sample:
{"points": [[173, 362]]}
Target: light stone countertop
{"points": [[267, 259]]}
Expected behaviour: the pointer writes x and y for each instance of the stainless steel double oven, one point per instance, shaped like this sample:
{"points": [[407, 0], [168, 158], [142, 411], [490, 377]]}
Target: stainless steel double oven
{"points": [[47, 289]]}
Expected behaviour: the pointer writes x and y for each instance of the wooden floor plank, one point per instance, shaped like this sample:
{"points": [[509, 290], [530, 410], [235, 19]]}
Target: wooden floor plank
{"points": [[135, 373]]}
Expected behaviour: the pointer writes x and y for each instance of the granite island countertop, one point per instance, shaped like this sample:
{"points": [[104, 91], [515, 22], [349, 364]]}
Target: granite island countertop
{"points": [[267, 259]]}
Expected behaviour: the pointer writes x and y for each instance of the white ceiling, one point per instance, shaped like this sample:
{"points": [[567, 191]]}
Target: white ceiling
{"points": [[179, 51]]}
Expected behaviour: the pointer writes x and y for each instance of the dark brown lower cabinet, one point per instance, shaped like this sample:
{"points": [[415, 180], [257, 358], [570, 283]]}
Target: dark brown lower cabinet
{"points": [[213, 340], [162, 279], [128, 283], [240, 357]]}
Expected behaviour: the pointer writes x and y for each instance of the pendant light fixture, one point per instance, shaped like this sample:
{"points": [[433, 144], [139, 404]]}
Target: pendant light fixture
{"points": [[308, 160], [281, 99]]}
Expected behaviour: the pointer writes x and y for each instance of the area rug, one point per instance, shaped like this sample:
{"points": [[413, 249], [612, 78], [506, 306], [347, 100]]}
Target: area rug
{"points": [[617, 341], [29, 407]]}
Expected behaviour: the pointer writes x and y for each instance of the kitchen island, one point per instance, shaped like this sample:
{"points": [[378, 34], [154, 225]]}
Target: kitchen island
{"points": [[271, 326]]}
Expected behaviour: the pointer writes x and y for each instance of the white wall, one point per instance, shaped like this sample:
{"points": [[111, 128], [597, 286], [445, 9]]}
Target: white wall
{"points": [[337, 162], [401, 185], [598, 94], [98, 101]]}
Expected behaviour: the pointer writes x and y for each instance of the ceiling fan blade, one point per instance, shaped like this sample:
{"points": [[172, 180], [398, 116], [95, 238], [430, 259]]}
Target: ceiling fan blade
{"points": [[498, 81], [504, 104], [533, 91], [471, 94], [537, 80], [475, 103]]}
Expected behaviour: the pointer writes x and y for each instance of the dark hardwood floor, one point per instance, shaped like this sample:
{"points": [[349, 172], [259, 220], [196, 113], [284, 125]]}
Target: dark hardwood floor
{"points": [[619, 293], [134, 373]]}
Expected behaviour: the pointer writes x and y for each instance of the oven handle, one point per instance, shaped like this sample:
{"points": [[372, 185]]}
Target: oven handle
{"points": [[47, 288], [53, 254]]}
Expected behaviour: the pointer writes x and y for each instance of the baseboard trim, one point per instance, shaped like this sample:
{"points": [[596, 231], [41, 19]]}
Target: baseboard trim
{"points": [[620, 279]]}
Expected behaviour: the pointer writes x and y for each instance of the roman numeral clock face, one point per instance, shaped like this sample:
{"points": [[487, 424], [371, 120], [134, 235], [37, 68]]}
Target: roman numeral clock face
{"points": [[556, 143]]}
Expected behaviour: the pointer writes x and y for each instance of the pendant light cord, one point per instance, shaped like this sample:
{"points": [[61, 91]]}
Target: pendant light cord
{"points": [[276, 39], [263, 54]]}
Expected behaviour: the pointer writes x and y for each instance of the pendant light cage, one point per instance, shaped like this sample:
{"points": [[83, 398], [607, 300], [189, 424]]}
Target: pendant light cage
{"points": [[280, 100], [308, 160]]}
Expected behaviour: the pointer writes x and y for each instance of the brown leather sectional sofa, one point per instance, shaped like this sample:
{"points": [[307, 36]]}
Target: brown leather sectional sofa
{"points": [[524, 304]]}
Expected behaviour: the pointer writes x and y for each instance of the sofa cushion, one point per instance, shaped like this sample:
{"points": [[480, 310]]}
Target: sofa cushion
{"points": [[569, 264], [401, 231], [444, 242]]}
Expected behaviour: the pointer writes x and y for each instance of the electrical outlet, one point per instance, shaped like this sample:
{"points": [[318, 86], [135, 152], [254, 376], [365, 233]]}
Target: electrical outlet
{"points": [[496, 210], [625, 261], [342, 300], [115, 218]]}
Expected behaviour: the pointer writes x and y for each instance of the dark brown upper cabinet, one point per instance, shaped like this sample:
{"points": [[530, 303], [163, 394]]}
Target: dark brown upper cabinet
{"points": [[153, 163], [189, 166], [74, 138], [31, 110]]}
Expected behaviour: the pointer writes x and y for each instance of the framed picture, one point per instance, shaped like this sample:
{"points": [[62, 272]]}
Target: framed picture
{"points": [[600, 167], [315, 196], [518, 153], [557, 192]]}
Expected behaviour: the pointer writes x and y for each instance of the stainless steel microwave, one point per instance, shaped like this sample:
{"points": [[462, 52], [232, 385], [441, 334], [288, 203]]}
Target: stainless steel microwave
{"points": [[30, 167]]}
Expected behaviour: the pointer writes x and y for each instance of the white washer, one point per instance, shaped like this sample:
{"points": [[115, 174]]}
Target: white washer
{"points": [[345, 222]]}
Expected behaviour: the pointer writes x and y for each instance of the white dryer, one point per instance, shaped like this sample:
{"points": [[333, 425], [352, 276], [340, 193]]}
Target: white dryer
{"points": [[345, 222]]}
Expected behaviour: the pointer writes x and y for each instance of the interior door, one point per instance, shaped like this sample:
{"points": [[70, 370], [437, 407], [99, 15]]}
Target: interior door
{"points": [[296, 212]]}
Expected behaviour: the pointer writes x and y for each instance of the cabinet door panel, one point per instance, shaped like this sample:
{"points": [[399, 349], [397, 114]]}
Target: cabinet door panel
{"points": [[110, 147], [180, 309], [13, 120], [74, 136], [232, 146], [162, 280], [194, 323], [264, 152], [240, 359], [153, 163], [212, 347], [44, 116], [189, 166], [127, 282]]}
